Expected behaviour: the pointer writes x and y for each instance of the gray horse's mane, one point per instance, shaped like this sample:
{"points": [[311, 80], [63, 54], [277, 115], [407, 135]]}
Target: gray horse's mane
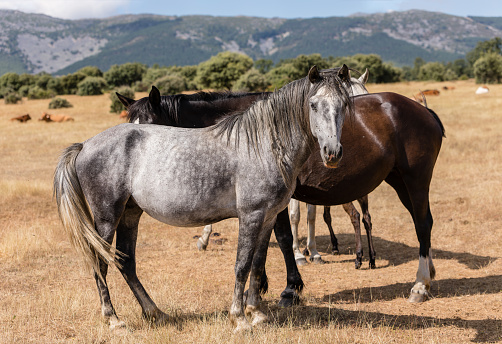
{"points": [[282, 117]]}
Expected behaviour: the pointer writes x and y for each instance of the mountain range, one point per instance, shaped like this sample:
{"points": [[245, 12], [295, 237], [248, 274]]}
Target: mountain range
{"points": [[33, 43]]}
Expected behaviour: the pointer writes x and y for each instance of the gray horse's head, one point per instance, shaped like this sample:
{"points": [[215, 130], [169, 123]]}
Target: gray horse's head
{"points": [[327, 112]]}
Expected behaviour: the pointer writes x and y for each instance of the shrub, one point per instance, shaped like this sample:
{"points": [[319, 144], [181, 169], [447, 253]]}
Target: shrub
{"points": [[125, 74], [91, 86], [171, 84], [58, 103], [12, 98], [116, 106], [36, 92], [251, 81], [488, 69], [222, 70]]}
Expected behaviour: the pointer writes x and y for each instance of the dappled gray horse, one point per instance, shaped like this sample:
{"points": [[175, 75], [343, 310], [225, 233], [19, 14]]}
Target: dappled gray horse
{"points": [[244, 166]]}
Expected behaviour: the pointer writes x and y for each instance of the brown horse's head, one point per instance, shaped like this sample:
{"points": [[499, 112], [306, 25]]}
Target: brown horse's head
{"points": [[45, 117]]}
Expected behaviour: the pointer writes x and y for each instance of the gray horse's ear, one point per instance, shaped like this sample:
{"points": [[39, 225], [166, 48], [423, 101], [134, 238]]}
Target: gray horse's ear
{"points": [[363, 79], [124, 100], [344, 73], [154, 96], [314, 75]]}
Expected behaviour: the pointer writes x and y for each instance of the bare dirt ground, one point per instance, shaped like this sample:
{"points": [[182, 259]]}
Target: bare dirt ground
{"points": [[47, 297]]}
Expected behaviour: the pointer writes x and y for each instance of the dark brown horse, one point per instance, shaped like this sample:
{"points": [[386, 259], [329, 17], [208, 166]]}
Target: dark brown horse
{"points": [[390, 138]]}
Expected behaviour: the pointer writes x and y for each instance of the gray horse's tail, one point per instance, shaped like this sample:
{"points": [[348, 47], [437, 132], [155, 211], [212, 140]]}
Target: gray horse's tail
{"points": [[75, 214]]}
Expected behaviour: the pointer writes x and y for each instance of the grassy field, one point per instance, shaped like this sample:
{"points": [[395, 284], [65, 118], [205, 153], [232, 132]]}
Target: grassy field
{"points": [[47, 297]]}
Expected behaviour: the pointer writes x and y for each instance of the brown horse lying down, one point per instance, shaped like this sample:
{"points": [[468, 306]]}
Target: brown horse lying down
{"points": [[22, 119], [55, 118]]}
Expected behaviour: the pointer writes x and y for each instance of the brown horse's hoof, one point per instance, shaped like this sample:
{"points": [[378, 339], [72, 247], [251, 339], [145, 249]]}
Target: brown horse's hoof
{"points": [[335, 252], [287, 302], [418, 298], [301, 261], [372, 265]]}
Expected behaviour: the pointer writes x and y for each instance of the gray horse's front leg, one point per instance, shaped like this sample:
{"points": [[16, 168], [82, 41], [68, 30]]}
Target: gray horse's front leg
{"points": [[250, 226], [260, 256]]}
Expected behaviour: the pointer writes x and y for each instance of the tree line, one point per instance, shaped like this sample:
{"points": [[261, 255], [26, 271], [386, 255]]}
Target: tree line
{"points": [[234, 71]]}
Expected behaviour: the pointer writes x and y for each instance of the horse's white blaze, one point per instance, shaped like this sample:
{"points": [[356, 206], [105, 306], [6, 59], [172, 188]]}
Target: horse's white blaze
{"points": [[136, 121]]}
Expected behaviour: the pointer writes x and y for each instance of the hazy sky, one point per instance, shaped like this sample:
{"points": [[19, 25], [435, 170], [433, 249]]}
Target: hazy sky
{"points": [[77, 9]]}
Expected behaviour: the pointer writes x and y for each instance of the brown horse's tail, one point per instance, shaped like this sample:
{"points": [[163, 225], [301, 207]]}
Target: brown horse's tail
{"points": [[75, 214]]}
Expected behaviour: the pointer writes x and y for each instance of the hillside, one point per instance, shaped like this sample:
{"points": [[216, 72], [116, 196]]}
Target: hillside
{"points": [[34, 43]]}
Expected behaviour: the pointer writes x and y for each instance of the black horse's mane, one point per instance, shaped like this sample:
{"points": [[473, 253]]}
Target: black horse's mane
{"points": [[168, 112]]}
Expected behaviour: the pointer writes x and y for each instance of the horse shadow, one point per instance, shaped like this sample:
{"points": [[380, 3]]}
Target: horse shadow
{"points": [[394, 253], [487, 330], [444, 288]]}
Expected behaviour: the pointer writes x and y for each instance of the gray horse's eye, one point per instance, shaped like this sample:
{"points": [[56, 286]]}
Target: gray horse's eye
{"points": [[313, 106]]}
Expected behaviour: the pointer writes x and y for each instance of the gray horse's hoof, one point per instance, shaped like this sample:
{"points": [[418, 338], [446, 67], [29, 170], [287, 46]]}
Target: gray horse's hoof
{"points": [[358, 264], [317, 260], [417, 298], [287, 302], [201, 246], [301, 261]]}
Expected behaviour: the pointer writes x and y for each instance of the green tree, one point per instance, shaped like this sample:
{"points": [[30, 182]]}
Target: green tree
{"points": [[488, 69], [91, 86], [125, 74], [10, 80], [483, 48], [171, 84], [251, 81], [432, 71], [263, 65], [69, 83], [222, 70], [91, 71]]}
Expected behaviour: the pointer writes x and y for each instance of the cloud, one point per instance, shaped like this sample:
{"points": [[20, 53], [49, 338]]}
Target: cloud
{"points": [[67, 9]]}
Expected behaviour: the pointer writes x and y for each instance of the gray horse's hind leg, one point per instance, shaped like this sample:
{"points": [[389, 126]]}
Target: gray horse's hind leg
{"points": [[127, 232], [107, 309]]}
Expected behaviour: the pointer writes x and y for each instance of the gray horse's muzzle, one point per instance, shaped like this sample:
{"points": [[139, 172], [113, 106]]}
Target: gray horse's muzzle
{"points": [[331, 156]]}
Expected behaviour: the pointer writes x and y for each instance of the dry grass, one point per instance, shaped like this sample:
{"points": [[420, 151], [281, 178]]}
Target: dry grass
{"points": [[46, 297]]}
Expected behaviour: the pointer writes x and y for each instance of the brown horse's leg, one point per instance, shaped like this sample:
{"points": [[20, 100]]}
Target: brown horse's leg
{"points": [[127, 232], [363, 202], [334, 241], [415, 197], [356, 222]]}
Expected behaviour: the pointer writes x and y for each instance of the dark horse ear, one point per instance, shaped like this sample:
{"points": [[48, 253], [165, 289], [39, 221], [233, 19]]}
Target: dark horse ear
{"points": [[154, 96], [124, 100], [344, 73], [314, 75]]}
